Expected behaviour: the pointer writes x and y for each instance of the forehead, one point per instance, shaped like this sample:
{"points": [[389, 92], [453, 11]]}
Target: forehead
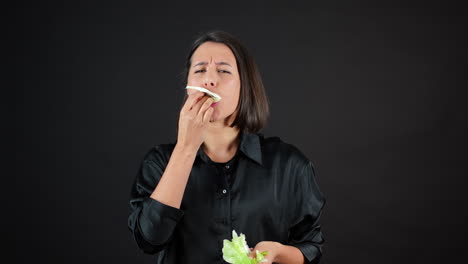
{"points": [[213, 51]]}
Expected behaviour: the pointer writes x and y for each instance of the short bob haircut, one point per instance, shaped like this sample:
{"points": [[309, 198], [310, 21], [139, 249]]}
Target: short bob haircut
{"points": [[253, 108]]}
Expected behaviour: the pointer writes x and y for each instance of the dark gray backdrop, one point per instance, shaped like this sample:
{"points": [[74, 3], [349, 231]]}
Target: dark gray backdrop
{"points": [[374, 96]]}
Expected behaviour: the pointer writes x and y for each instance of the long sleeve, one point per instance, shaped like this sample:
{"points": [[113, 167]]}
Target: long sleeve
{"points": [[304, 232], [151, 222]]}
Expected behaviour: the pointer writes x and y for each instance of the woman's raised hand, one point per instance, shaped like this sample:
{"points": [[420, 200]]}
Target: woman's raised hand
{"points": [[194, 118]]}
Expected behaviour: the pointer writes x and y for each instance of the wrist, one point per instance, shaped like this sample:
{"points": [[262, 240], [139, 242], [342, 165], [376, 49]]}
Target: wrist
{"points": [[279, 252], [187, 149]]}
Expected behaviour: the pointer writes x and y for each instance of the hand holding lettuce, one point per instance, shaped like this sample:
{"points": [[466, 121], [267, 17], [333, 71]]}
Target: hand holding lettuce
{"points": [[237, 251]]}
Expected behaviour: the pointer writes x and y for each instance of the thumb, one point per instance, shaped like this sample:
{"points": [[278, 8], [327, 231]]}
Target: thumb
{"points": [[252, 253]]}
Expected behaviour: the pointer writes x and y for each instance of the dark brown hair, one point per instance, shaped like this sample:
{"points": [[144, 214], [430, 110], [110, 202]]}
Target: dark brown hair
{"points": [[253, 108]]}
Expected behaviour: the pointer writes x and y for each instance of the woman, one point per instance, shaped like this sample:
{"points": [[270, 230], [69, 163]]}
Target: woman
{"points": [[222, 174]]}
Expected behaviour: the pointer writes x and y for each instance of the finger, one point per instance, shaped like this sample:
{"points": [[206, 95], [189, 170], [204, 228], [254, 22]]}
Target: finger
{"points": [[196, 108], [252, 254], [203, 109], [207, 115], [189, 101], [192, 100], [206, 104]]}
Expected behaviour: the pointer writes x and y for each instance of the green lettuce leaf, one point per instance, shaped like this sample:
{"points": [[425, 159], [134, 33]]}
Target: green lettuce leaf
{"points": [[237, 251]]}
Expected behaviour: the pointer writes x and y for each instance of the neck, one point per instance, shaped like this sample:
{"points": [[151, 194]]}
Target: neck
{"points": [[221, 142]]}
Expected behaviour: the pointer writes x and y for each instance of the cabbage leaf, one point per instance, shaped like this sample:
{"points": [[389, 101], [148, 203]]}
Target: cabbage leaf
{"points": [[237, 251]]}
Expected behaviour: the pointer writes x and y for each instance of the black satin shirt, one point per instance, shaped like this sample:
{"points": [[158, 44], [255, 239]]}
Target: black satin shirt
{"points": [[268, 192]]}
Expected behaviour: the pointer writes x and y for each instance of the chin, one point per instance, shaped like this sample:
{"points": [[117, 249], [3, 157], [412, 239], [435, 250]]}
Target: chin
{"points": [[217, 117], [214, 117]]}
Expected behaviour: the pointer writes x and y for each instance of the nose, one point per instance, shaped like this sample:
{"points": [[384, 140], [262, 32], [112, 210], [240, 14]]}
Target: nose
{"points": [[209, 84], [211, 79]]}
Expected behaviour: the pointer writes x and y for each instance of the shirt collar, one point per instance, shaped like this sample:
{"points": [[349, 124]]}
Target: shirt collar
{"points": [[249, 145]]}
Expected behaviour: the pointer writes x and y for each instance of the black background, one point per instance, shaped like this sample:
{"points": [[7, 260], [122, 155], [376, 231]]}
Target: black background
{"points": [[374, 96]]}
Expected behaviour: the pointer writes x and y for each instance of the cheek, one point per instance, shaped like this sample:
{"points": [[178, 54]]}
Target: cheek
{"points": [[191, 78], [232, 101], [195, 78], [233, 88]]}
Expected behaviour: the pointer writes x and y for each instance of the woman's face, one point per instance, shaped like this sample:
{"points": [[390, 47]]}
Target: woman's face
{"points": [[214, 67]]}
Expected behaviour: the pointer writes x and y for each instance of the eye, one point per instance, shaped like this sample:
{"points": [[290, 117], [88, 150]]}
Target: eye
{"points": [[221, 71]]}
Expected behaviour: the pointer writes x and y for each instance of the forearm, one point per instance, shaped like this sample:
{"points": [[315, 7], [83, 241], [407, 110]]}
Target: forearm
{"points": [[171, 187], [289, 255]]}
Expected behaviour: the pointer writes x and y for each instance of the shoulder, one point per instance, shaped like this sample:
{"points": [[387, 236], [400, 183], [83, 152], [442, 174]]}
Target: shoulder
{"points": [[285, 150], [159, 153]]}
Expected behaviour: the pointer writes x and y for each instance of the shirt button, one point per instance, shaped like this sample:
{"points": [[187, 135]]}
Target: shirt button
{"points": [[227, 166], [224, 191]]}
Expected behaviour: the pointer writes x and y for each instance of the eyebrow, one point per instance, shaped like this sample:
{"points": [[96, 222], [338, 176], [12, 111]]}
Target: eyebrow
{"points": [[218, 63]]}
